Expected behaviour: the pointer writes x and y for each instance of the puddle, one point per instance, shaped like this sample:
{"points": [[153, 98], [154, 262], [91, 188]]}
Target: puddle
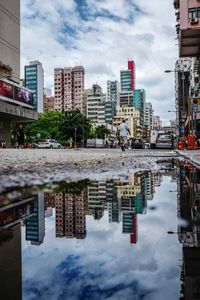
{"points": [[126, 237]]}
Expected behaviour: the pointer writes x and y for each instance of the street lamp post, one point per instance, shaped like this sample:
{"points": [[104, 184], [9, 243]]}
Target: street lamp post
{"points": [[75, 129], [180, 120]]}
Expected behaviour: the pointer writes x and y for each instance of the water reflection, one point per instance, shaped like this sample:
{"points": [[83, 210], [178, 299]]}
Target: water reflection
{"points": [[189, 233], [103, 240]]}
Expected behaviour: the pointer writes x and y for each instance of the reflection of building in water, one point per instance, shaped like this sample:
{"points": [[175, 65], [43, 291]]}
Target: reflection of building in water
{"points": [[13, 212], [10, 263], [149, 186], [132, 196], [113, 203], [96, 195], [49, 200], [157, 179], [35, 225], [70, 215], [49, 212], [188, 209]]}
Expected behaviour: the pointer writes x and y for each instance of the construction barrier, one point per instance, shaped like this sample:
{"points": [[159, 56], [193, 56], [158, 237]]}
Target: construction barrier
{"points": [[192, 142]]}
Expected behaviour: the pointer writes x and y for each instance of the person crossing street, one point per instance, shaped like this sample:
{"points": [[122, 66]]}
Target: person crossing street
{"points": [[122, 132]]}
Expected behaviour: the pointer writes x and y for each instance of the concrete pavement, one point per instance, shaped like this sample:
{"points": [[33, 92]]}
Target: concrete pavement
{"points": [[191, 155]]}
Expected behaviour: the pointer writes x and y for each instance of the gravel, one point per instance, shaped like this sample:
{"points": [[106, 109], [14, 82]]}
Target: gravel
{"points": [[32, 167]]}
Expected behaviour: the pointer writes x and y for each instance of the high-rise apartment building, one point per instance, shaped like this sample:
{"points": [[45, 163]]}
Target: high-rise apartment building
{"points": [[125, 80], [148, 116], [131, 67], [69, 88], [113, 91], [96, 106], [139, 100], [157, 124], [127, 77], [34, 80]]}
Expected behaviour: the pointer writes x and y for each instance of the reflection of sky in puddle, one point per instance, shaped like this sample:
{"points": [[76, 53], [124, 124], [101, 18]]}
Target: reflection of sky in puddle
{"points": [[105, 265]]}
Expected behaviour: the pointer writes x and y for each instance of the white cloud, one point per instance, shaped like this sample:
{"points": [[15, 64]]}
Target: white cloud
{"points": [[102, 40]]}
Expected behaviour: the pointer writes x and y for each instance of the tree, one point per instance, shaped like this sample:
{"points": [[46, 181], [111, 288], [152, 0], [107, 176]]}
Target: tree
{"points": [[102, 131], [75, 123], [47, 126]]}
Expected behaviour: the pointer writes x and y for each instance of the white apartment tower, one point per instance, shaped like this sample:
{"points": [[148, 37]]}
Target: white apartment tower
{"points": [[113, 91], [69, 88], [149, 115]]}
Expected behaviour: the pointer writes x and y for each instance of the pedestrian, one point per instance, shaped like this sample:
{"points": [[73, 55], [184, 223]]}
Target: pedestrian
{"points": [[20, 136], [122, 132]]}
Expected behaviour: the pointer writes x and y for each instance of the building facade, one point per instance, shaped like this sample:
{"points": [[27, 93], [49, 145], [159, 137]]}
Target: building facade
{"points": [[69, 88], [132, 117], [13, 106], [131, 67], [188, 27], [113, 91], [139, 100], [125, 80], [34, 80]]}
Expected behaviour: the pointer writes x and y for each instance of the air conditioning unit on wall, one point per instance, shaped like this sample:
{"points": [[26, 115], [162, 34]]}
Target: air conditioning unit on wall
{"points": [[194, 21]]}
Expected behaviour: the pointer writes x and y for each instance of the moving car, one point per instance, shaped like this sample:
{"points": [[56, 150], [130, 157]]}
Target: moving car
{"points": [[137, 143], [49, 143], [165, 141]]}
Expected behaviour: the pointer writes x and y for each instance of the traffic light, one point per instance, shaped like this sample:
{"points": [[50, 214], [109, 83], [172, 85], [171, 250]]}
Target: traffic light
{"points": [[196, 101]]}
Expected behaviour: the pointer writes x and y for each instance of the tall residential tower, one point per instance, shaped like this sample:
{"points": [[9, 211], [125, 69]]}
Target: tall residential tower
{"points": [[69, 88]]}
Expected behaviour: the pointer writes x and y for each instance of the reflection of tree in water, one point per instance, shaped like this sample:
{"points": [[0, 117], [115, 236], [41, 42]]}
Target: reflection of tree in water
{"points": [[71, 188]]}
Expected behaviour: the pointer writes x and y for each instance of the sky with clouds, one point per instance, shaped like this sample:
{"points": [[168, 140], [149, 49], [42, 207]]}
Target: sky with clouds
{"points": [[105, 265], [102, 35]]}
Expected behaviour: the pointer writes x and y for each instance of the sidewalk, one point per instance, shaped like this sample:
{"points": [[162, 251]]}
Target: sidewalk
{"points": [[192, 155]]}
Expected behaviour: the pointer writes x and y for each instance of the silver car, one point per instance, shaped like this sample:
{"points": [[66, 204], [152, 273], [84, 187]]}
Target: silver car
{"points": [[165, 141]]}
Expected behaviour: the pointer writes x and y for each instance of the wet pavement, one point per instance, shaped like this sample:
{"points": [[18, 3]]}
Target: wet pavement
{"points": [[27, 167], [135, 235]]}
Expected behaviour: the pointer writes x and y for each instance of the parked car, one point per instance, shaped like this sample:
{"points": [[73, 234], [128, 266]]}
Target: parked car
{"points": [[165, 141], [49, 143], [137, 143]]}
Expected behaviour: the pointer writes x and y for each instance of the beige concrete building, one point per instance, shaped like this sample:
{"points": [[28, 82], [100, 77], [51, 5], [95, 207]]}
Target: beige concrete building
{"points": [[132, 117], [15, 101], [69, 88]]}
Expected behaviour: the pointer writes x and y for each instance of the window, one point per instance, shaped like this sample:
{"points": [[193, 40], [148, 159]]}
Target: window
{"points": [[198, 12], [192, 13]]}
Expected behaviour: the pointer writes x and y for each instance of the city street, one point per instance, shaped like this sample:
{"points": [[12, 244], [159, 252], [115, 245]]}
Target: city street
{"points": [[28, 167]]}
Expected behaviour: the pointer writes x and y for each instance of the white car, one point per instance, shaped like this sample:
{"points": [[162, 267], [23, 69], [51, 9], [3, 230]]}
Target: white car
{"points": [[49, 143]]}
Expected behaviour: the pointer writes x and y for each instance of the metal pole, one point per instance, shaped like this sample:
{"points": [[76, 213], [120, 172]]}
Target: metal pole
{"points": [[188, 115], [75, 138], [83, 131], [192, 124]]}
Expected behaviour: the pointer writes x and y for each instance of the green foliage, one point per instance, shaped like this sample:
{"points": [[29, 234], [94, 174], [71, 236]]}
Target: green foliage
{"points": [[75, 119], [101, 132], [47, 126]]}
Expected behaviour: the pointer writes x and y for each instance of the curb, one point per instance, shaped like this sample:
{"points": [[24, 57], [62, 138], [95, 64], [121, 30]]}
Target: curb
{"points": [[188, 157]]}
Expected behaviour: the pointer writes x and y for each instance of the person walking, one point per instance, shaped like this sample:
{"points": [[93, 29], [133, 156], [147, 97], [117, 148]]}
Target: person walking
{"points": [[122, 132], [20, 137]]}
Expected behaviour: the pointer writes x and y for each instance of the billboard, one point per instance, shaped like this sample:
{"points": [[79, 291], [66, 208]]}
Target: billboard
{"points": [[22, 95], [15, 92], [6, 89]]}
